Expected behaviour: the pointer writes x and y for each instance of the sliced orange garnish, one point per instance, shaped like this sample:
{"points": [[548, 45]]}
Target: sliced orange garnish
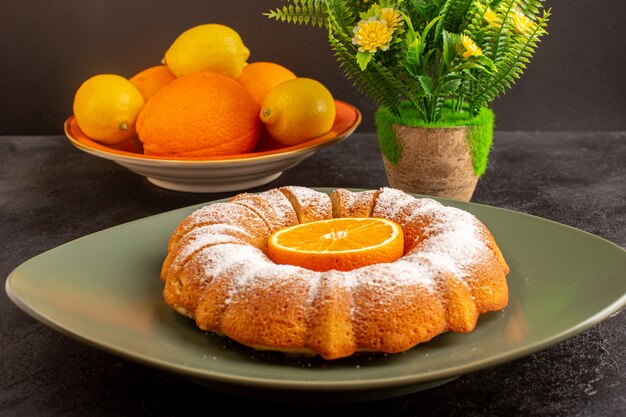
{"points": [[341, 244]]}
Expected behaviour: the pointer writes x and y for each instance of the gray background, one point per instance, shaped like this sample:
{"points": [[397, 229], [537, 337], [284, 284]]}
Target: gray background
{"points": [[48, 47]]}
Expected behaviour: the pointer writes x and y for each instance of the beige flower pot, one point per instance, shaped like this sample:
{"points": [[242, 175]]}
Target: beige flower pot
{"points": [[434, 161]]}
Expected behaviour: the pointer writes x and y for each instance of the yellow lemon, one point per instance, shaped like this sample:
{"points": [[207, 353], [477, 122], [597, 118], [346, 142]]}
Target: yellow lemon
{"points": [[106, 107], [298, 110], [209, 47]]}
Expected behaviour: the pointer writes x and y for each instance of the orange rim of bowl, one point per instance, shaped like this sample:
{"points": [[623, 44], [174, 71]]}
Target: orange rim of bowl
{"points": [[347, 120]]}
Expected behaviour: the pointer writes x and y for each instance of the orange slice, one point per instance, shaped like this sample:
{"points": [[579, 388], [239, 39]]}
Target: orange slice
{"points": [[342, 244]]}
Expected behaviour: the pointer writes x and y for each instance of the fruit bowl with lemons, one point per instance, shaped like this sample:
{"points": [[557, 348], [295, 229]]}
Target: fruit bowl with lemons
{"points": [[205, 120]]}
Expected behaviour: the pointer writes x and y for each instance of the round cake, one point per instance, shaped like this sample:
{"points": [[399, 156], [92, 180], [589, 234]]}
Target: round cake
{"points": [[217, 272]]}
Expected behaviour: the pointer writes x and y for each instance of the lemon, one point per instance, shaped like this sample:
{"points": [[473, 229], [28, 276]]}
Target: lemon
{"points": [[297, 110], [209, 47], [106, 107]]}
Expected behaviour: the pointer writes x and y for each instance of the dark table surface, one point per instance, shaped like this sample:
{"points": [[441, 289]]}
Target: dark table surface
{"points": [[51, 193]]}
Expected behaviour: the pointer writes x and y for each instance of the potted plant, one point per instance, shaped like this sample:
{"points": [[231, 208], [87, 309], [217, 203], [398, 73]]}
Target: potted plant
{"points": [[433, 67]]}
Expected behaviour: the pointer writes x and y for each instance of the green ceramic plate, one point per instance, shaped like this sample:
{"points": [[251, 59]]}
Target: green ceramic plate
{"points": [[104, 290]]}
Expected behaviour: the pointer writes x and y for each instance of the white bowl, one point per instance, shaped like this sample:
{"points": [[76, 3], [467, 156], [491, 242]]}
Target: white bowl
{"points": [[219, 174]]}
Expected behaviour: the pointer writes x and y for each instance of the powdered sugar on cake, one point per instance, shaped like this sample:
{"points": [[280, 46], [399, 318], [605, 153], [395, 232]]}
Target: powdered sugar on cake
{"points": [[225, 213], [390, 202], [281, 204], [316, 203], [243, 264], [455, 244], [209, 235]]}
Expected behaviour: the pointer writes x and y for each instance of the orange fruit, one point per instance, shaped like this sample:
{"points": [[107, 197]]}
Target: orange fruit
{"points": [[150, 80], [260, 77], [343, 244], [201, 114]]}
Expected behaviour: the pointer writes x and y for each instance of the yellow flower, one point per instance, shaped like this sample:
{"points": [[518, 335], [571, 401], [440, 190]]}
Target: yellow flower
{"points": [[521, 22], [491, 17], [372, 34], [471, 49], [391, 17]]}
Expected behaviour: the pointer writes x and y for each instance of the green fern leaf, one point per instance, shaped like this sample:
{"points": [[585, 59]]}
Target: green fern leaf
{"points": [[307, 12], [510, 61], [341, 13]]}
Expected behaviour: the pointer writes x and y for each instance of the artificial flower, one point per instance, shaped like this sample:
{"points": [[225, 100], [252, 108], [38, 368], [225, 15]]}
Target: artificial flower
{"points": [[391, 17], [372, 34], [471, 49], [491, 17]]}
